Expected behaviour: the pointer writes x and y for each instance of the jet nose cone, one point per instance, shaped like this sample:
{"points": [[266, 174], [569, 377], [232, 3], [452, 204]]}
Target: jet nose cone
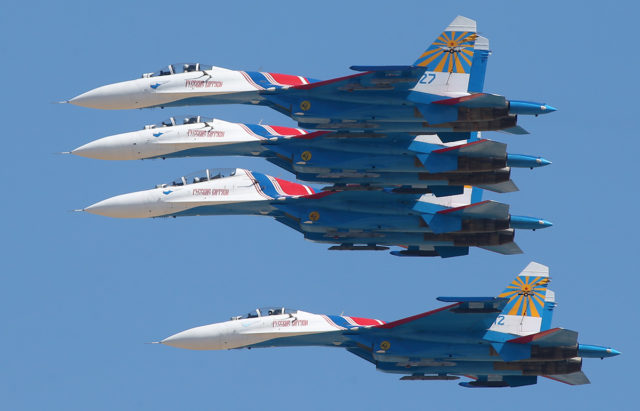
{"points": [[116, 96], [92, 150], [542, 162], [545, 108], [544, 223], [132, 205], [613, 352], [117, 147], [200, 338]]}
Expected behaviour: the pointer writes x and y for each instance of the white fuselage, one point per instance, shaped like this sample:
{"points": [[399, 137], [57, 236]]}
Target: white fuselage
{"points": [[159, 141], [248, 331], [158, 90], [170, 199]]}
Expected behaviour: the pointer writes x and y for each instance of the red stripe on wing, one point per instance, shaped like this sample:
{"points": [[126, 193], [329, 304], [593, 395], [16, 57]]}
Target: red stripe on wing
{"points": [[442, 150], [529, 338], [325, 82], [450, 210], [309, 136], [416, 317], [458, 100]]}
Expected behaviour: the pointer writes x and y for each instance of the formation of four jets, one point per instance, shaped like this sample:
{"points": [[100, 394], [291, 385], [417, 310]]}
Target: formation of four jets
{"points": [[400, 152]]}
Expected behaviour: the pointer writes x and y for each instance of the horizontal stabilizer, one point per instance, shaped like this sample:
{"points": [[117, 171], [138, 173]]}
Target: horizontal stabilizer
{"points": [[479, 148], [440, 160], [484, 209], [504, 249], [504, 187], [548, 338], [450, 220], [515, 130], [476, 100], [576, 378]]}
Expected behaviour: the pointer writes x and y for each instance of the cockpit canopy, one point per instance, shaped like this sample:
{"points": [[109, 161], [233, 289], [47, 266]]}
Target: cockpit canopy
{"points": [[203, 175], [266, 311], [177, 121], [178, 68]]}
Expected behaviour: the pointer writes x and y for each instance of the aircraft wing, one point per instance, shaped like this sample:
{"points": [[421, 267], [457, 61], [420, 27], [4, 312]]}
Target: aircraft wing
{"points": [[505, 249], [576, 378], [466, 316], [549, 338], [364, 353], [282, 163], [373, 78], [504, 187]]}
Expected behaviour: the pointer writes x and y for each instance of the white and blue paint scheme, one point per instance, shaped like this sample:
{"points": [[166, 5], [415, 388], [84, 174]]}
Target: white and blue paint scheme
{"points": [[355, 159], [423, 224], [440, 92], [473, 337]]}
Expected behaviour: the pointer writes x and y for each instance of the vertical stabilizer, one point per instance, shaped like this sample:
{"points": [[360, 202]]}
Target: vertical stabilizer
{"points": [[481, 55], [524, 312], [449, 59], [547, 312]]}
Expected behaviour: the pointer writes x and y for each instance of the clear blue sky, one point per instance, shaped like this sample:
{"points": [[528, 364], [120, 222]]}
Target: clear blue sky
{"points": [[81, 294]]}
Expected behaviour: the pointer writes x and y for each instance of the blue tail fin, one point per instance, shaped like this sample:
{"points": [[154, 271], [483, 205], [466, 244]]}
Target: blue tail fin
{"points": [[547, 311], [481, 55]]}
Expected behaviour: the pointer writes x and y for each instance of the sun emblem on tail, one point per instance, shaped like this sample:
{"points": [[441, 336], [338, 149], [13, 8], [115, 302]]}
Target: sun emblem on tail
{"points": [[526, 296], [451, 52]]}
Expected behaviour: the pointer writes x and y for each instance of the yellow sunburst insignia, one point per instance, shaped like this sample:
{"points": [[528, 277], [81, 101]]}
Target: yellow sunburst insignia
{"points": [[385, 345], [306, 155], [451, 52], [305, 105], [314, 216], [526, 296]]}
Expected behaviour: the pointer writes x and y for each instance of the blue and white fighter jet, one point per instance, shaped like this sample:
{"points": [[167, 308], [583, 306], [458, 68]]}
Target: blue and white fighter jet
{"points": [[356, 159], [441, 92], [503, 341], [423, 224]]}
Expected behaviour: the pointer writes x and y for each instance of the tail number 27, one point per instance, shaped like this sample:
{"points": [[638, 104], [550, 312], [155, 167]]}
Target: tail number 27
{"points": [[427, 78]]}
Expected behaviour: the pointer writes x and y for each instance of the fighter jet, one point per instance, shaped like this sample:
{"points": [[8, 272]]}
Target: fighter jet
{"points": [[424, 224], [441, 92], [356, 159], [503, 341]]}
